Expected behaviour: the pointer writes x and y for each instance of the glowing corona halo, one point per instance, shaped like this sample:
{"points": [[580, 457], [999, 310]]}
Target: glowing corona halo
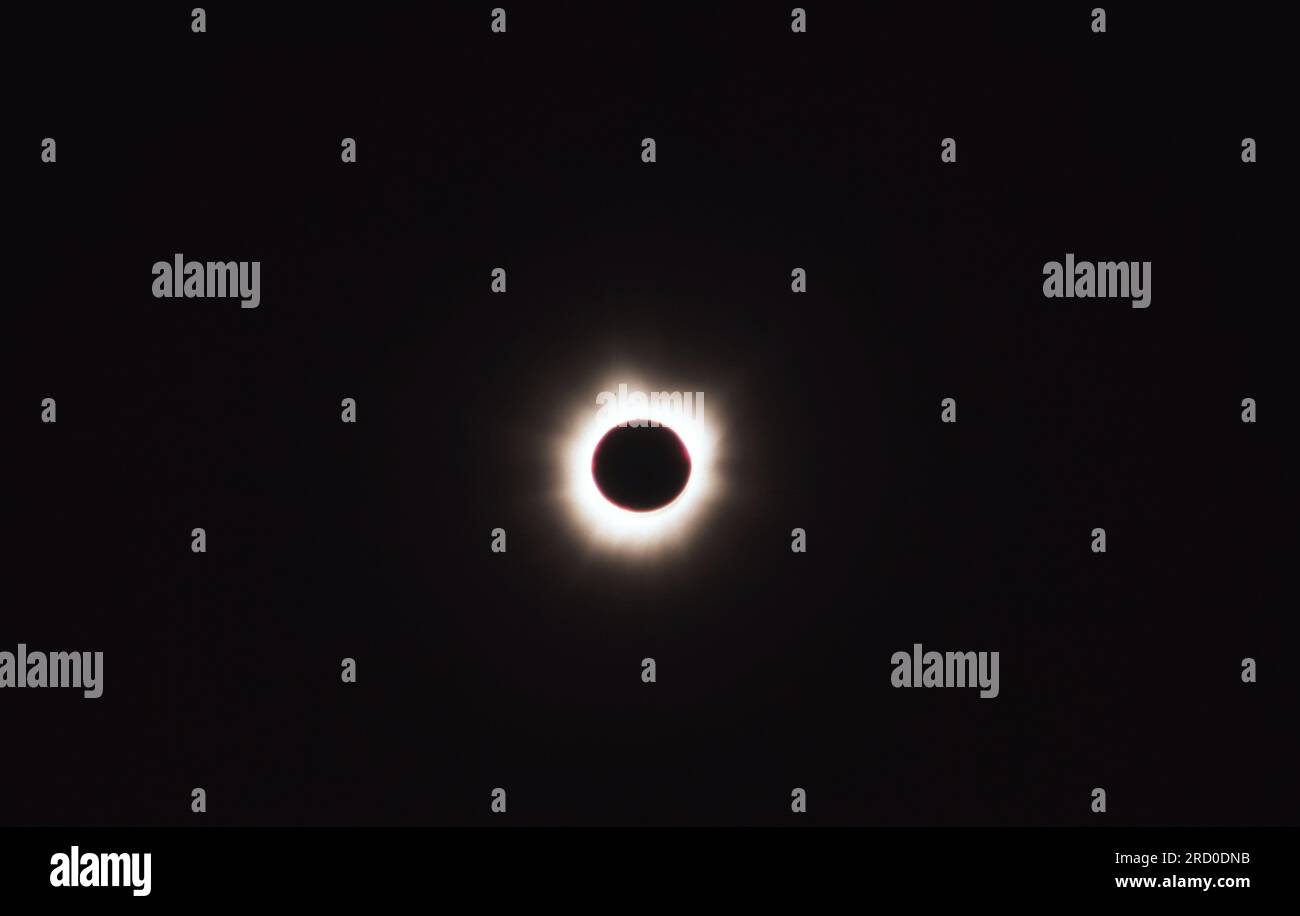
{"points": [[608, 526]]}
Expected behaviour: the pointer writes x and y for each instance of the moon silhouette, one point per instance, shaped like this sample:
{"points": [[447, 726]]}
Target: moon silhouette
{"points": [[641, 467]]}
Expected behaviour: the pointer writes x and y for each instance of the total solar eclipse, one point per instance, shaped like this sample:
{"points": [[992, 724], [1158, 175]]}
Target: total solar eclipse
{"points": [[641, 467], [633, 486]]}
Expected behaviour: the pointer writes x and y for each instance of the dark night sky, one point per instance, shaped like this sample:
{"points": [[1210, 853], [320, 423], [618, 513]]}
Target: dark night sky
{"points": [[775, 151]]}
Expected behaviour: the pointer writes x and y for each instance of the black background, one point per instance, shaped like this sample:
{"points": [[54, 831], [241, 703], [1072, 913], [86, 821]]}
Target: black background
{"points": [[775, 150]]}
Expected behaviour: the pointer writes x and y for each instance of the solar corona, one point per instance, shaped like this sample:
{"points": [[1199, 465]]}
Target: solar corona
{"points": [[638, 472]]}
